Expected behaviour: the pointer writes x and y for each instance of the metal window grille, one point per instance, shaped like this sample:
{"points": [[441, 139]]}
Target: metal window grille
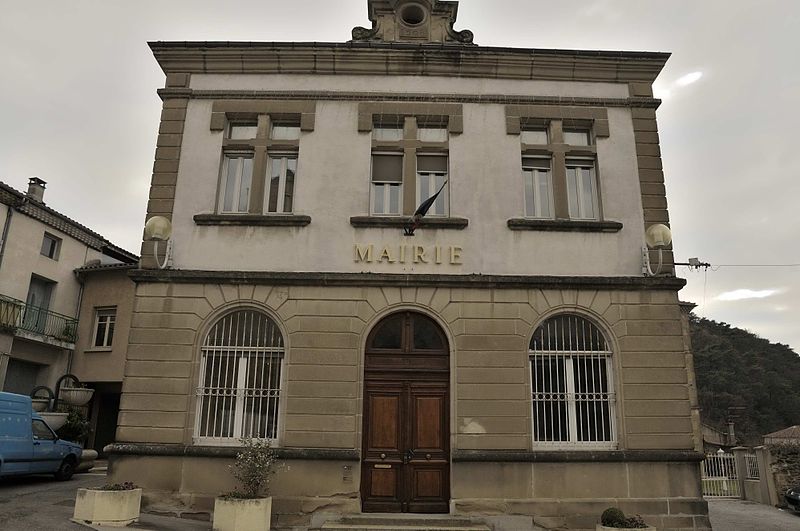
{"points": [[751, 464], [240, 376], [572, 384]]}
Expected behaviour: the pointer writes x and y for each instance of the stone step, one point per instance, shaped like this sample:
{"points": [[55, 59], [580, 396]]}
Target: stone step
{"points": [[403, 523]]}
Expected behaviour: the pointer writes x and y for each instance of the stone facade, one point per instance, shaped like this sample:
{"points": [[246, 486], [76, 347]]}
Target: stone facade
{"points": [[486, 274]]}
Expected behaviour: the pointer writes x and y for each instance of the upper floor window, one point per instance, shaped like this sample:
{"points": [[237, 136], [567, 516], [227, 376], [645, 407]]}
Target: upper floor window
{"points": [[104, 322], [387, 183], [538, 187], [282, 170], [432, 177], [237, 182], [259, 166], [240, 379], [409, 153], [581, 188], [51, 246], [573, 399], [559, 172]]}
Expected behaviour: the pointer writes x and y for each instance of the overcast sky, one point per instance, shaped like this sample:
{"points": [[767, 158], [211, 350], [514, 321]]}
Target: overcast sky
{"points": [[80, 110]]}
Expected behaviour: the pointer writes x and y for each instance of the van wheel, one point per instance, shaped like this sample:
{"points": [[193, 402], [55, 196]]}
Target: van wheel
{"points": [[65, 471]]}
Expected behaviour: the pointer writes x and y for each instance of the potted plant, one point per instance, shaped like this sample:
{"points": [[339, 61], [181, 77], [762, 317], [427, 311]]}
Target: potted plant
{"points": [[114, 505], [249, 506], [613, 518]]}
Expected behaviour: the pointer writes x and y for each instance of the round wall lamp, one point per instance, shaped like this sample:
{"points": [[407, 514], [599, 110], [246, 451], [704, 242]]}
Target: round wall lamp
{"points": [[658, 237], [159, 229]]}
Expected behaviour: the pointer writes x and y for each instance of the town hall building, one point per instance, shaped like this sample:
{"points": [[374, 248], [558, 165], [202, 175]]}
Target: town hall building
{"points": [[507, 358]]}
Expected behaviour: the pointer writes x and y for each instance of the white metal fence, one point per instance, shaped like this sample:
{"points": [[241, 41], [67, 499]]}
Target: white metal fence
{"points": [[751, 464], [720, 478]]}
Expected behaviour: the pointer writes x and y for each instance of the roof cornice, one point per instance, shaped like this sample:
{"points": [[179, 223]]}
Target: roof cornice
{"points": [[52, 218], [379, 58]]}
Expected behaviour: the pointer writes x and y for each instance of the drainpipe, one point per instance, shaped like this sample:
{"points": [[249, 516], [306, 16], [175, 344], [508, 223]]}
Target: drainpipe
{"points": [[4, 237], [7, 226]]}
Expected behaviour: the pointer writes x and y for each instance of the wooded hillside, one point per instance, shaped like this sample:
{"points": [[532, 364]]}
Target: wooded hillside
{"points": [[736, 368]]}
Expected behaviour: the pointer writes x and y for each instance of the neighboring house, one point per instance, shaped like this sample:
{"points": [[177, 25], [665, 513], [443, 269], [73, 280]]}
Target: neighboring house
{"points": [[790, 435], [102, 344], [510, 362], [39, 291]]}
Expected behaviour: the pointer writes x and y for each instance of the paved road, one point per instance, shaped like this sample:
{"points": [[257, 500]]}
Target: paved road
{"points": [[738, 515], [39, 503]]}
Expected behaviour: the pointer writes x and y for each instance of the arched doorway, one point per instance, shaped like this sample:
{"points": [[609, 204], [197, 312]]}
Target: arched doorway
{"points": [[406, 440]]}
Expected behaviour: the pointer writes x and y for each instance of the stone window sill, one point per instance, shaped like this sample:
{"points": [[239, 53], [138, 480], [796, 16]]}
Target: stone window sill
{"points": [[274, 220], [98, 350], [563, 225], [402, 221]]}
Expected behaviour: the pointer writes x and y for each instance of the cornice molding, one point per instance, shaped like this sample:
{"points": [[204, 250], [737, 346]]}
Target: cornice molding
{"points": [[371, 58], [577, 456], [279, 278], [634, 102], [180, 450]]}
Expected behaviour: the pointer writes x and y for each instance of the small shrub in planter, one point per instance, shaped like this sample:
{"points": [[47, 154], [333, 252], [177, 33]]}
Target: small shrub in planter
{"points": [[115, 505], [613, 518], [249, 506]]}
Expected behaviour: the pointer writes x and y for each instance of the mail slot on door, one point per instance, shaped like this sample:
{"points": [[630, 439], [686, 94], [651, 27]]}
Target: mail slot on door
{"points": [[383, 466]]}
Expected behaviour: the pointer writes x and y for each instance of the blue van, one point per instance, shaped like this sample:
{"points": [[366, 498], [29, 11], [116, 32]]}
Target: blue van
{"points": [[28, 445]]}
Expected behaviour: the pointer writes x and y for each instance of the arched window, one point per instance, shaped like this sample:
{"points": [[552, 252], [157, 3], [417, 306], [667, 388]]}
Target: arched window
{"points": [[572, 384], [240, 379]]}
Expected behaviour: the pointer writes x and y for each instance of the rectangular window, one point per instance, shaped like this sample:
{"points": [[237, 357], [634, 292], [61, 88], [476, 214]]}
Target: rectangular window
{"points": [[242, 131], [432, 134], [283, 173], [237, 182], [387, 183], [50, 246], [387, 133], [538, 187], [105, 319], [431, 177], [283, 131], [534, 136], [577, 137], [582, 189]]}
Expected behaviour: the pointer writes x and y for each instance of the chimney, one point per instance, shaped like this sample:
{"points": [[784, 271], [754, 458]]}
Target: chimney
{"points": [[36, 189]]}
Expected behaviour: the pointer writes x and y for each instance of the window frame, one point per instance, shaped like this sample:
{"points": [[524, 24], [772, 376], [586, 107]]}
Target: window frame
{"points": [[55, 247], [590, 164], [433, 186], [563, 158], [237, 155], [386, 186], [280, 205], [98, 313], [567, 357], [535, 185], [410, 146], [240, 372]]}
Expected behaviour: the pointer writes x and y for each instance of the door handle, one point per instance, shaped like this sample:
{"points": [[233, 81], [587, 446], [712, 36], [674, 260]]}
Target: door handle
{"points": [[408, 456], [36, 443]]}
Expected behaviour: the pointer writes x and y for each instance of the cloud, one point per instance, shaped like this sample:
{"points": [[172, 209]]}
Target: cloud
{"points": [[665, 92], [688, 79], [744, 294]]}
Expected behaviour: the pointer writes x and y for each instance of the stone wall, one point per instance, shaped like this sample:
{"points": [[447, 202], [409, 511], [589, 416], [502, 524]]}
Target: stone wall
{"points": [[785, 467]]}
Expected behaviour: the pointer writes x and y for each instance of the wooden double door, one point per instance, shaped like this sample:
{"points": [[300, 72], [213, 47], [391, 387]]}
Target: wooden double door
{"points": [[406, 447]]}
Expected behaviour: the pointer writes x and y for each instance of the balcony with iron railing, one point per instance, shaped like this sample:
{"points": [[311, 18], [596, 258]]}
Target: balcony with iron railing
{"points": [[20, 318]]}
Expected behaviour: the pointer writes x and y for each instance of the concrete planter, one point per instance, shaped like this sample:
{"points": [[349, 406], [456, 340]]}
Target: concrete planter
{"points": [[54, 420], [40, 404], [75, 396], [234, 514], [115, 508], [601, 527]]}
